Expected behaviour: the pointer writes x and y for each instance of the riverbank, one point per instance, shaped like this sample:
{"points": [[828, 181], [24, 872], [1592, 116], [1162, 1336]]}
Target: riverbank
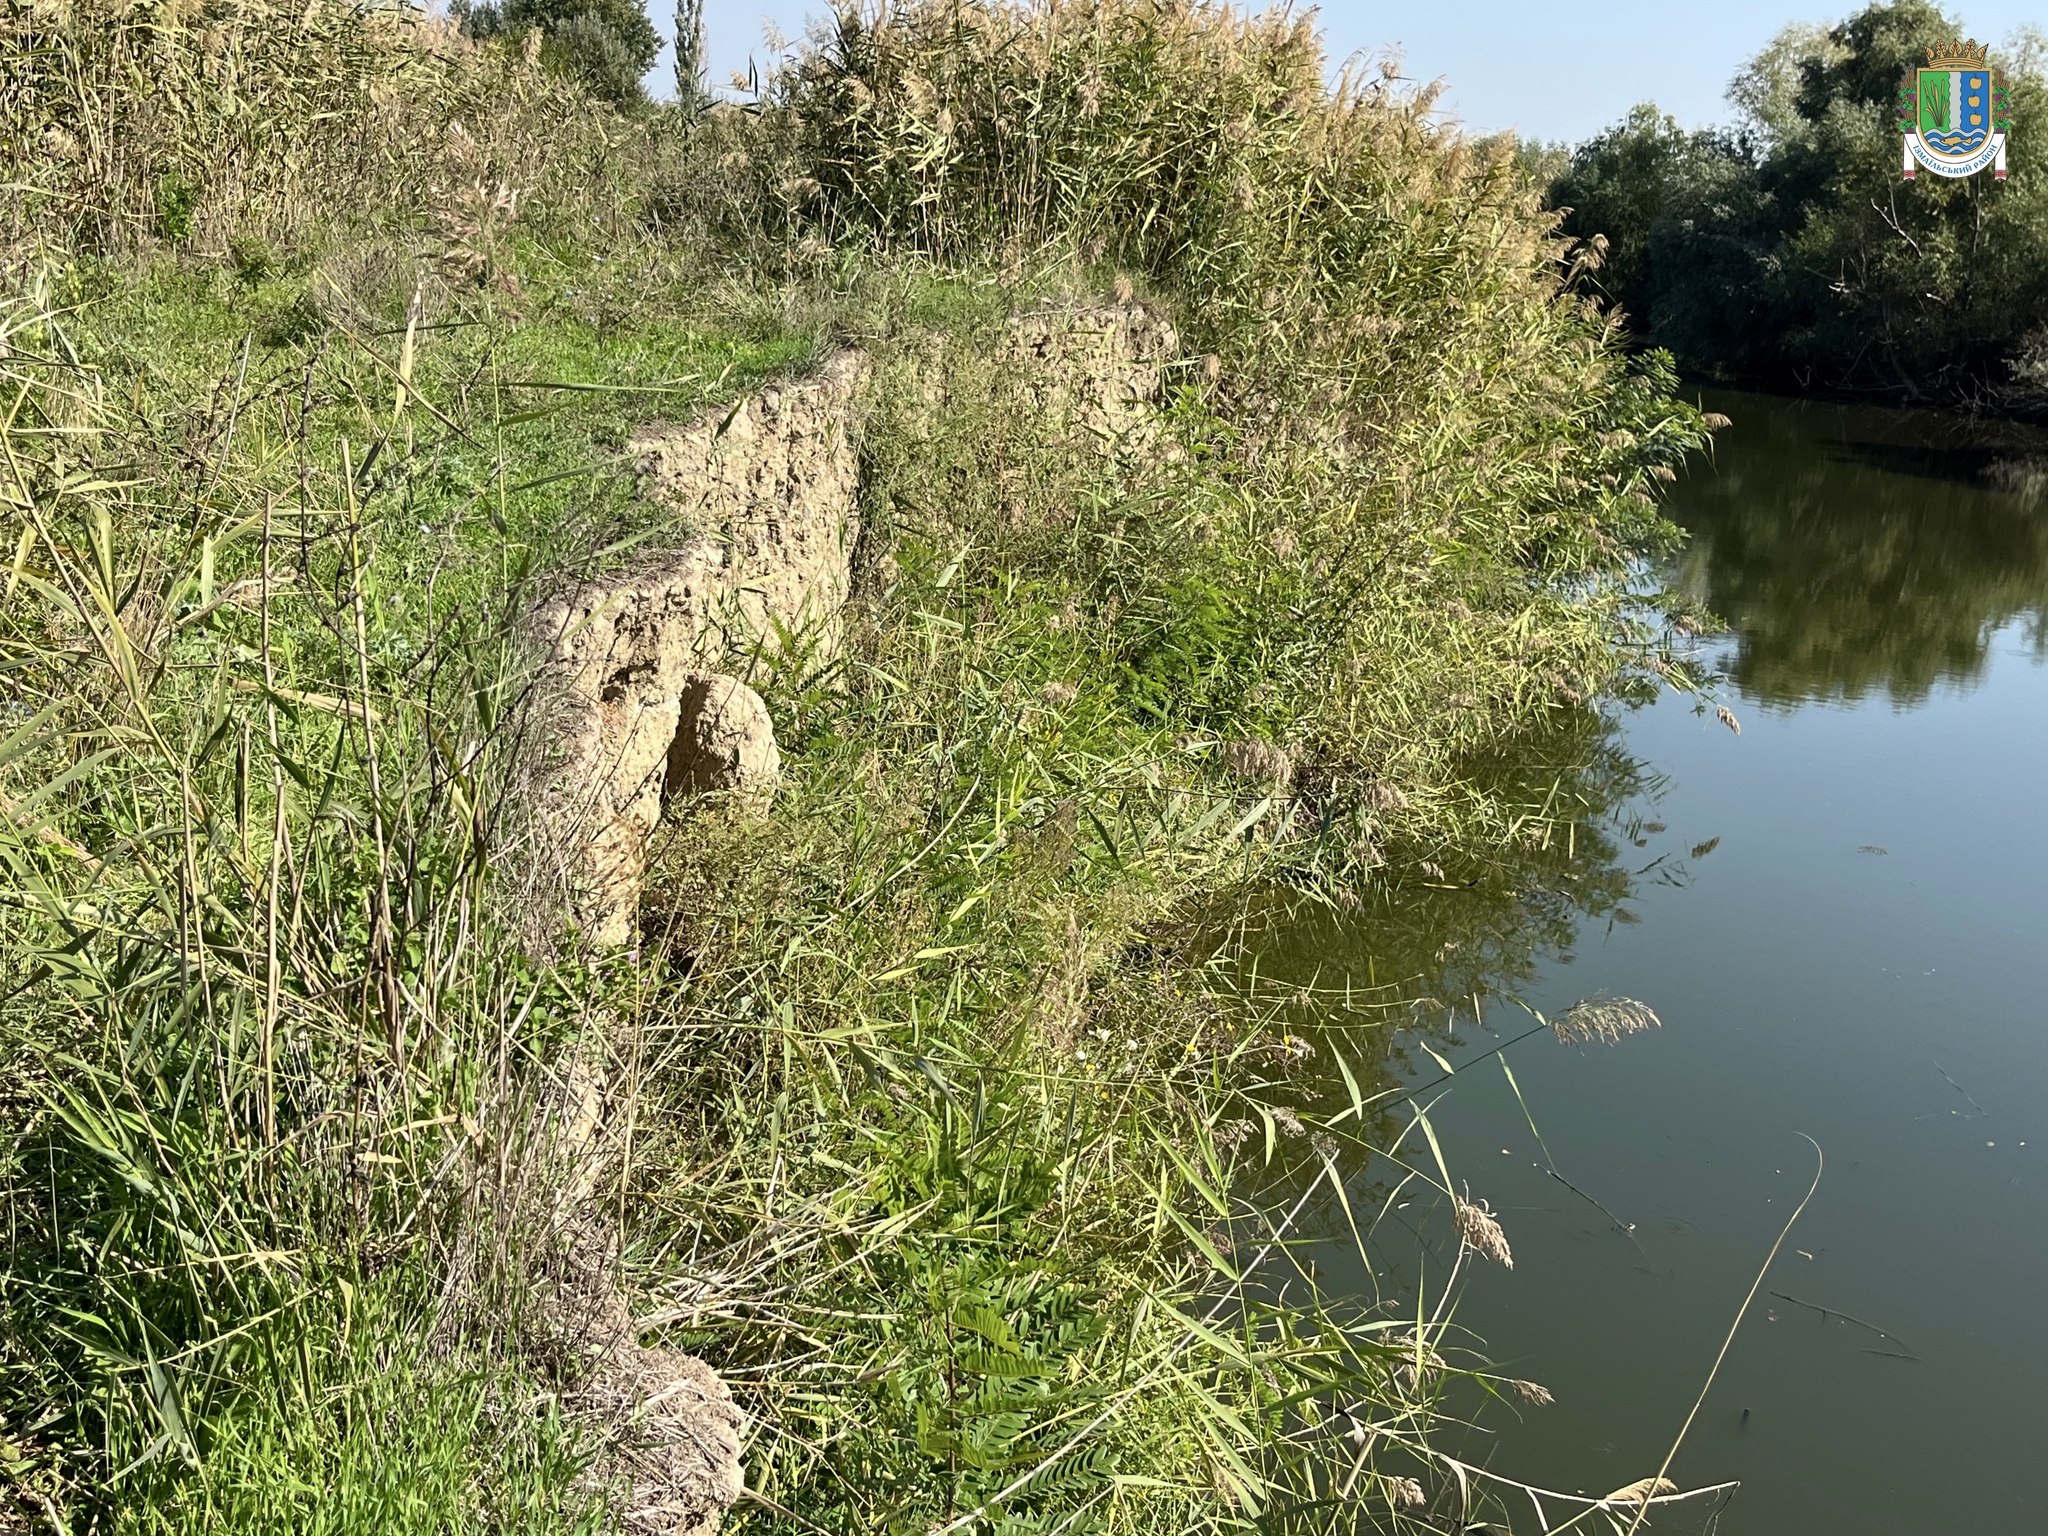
{"points": [[924, 1126], [1847, 891]]}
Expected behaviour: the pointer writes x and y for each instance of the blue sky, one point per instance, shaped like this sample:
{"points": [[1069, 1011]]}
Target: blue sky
{"points": [[1549, 71]]}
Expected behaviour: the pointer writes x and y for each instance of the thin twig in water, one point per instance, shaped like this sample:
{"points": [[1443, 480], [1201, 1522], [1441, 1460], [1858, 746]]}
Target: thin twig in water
{"points": [[1848, 1318], [1587, 1506], [1959, 1088], [1728, 1343], [1626, 1228]]}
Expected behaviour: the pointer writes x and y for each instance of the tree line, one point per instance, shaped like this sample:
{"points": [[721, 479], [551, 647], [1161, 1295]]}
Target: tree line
{"points": [[1788, 250]]}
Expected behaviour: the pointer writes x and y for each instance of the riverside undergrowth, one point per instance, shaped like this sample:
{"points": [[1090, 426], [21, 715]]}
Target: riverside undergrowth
{"points": [[946, 1127]]}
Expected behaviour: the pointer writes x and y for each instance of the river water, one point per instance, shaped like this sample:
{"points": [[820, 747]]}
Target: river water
{"points": [[1841, 915]]}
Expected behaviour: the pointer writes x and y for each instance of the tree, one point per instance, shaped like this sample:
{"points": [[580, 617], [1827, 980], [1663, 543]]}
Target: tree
{"points": [[1765, 95], [1793, 251], [1620, 185], [1923, 290], [1540, 161], [607, 44], [1716, 263], [690, 93]]}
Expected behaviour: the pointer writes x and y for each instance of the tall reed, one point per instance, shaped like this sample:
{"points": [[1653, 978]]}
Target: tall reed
{"points": [[948, 1143]]}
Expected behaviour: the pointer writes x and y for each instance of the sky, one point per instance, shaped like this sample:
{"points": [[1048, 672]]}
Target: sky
{"points": [[1545, 71]]}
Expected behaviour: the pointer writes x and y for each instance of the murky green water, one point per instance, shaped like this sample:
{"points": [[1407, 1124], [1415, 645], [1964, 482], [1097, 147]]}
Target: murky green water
{"points": [[1842, 916]]}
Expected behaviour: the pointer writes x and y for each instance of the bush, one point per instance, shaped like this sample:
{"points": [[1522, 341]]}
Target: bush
{"points": [[1381, 294], [606, 45]]}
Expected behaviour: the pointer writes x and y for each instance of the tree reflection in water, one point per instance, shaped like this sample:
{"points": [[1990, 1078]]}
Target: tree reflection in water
{"points": [[1856, 549], [1856, 555]]}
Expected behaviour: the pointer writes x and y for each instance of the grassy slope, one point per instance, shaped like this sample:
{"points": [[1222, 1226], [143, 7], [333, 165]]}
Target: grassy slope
{"points": [[141, 657], [946, 1137]]}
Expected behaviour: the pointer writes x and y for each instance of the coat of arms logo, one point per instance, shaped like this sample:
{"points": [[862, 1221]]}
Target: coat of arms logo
{"points": [[1954, 112]]}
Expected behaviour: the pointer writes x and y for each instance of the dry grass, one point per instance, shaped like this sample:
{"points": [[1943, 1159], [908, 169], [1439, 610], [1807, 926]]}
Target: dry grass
{"points": [[258, 125], [1604, 1020], [1480, 1230]]}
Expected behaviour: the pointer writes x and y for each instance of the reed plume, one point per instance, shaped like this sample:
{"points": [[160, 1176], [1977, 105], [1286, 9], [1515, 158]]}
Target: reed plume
{"points": [[1480, 1232], [1605, 1020]]}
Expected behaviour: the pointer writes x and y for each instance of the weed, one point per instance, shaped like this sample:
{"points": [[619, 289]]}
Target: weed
{"points": [[939, 1091]]}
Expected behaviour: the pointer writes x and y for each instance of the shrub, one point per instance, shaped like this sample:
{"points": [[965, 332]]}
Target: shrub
{"points": [[1419, 422], [607, 45]]}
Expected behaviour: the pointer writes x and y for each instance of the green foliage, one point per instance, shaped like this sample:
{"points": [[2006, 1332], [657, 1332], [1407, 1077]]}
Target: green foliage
{"points": [[177, 194], [1383, 304], [1622, 185], [241, 1290], [606, 45], [957, 991], [995, 1350], [1793, 252], [252, 259], [1193, 654], [691, 94], [1541, 162], [285, 315], [956, 1144], [1296, 234]]}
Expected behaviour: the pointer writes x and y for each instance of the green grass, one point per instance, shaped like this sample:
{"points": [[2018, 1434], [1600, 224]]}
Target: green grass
{"points": [[349, 1431], [198, 1087], [956, 1144]]}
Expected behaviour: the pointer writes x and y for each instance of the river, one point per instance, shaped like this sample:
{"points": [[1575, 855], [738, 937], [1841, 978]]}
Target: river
{"points": [[1841, 915]]}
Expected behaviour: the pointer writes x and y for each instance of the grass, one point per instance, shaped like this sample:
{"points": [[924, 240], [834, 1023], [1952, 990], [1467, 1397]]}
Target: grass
{"points": [[260, 598], [956, 1142]]}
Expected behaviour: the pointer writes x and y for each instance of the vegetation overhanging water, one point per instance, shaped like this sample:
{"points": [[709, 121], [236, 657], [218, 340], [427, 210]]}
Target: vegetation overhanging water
{"points": [[1835, 912], [950, 1138]]}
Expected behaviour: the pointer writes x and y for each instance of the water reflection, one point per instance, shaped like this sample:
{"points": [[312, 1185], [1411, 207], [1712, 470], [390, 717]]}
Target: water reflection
{"points": [[1852, 959], [1423, 973], [1432, 960], [1861, 551], [1475, 922]]}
